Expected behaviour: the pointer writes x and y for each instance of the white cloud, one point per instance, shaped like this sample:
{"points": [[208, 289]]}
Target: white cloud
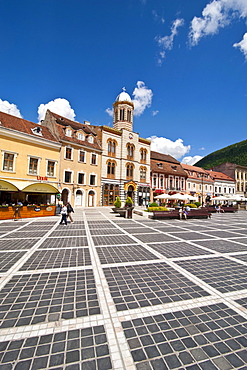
{"points": [[174, 148], [9, 108], [155, 112], [60, 106], [191, 160], [242, 45], [142, 98], [166, 42], [157, 17], [109, 111], [216, 14]]}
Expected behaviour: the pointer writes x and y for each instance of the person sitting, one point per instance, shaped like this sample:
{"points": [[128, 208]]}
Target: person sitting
{"points": [[217, 208], [182, 212]]}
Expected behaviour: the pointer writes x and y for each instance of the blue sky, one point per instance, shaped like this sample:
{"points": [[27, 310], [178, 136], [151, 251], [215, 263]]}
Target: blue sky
{"points": [[184, 60]]}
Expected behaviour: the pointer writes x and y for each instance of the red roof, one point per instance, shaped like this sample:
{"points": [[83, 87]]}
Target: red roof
{"points": [[62, 123], [220, 176], [21, 125]]}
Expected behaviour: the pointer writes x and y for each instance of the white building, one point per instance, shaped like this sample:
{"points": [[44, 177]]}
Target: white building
{"points": [[125, 157]]}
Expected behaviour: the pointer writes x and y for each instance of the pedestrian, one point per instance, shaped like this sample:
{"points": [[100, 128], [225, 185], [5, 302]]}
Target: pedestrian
{"points": [[64, 215], [69, 211]]}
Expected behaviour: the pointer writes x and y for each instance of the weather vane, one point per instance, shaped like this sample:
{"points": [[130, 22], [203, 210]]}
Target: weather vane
{"points": [[123, 88]]}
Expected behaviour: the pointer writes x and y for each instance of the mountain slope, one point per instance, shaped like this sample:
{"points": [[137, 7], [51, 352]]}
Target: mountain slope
{"points": [[235, 153]]}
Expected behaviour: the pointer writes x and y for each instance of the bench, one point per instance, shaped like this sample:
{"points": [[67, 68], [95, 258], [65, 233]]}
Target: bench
{"points": [[223, 209], [193, 213], [199, 213], [166, 214]]}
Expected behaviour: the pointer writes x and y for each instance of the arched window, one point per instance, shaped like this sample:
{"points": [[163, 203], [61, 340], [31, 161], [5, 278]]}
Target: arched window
{"points": [[129, 115], [121, 114], [129, 170], [112, 148], [143, 174], [111, 166], [143, 155], [130, 151]]}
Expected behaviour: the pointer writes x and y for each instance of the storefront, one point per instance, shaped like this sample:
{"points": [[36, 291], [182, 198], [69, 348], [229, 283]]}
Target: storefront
{"points": [[110, 192], [143, 195], [26, 199]]}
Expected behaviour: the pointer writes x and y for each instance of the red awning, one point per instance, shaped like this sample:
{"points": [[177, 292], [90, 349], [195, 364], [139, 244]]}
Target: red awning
{"points": [[159, 191]]}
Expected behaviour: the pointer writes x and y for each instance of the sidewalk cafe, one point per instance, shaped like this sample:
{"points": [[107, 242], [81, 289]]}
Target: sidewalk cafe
{"points": [[23, 199]]}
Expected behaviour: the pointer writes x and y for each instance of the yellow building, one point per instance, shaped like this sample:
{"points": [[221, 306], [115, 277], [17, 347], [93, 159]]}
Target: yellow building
{"points": [[80, 160], [29, 162]]}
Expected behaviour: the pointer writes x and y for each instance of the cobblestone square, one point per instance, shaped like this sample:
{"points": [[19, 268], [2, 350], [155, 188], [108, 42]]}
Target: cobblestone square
{"points": [[106, 292]]}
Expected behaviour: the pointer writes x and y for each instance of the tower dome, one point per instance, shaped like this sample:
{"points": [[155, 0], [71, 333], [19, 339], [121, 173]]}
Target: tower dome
{"points": [[123, 111], [123, 96]]}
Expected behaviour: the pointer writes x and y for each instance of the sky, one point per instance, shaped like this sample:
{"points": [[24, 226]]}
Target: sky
{"points": [[183, 62]]}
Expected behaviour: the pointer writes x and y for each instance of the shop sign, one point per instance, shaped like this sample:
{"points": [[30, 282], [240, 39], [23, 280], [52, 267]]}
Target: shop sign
{"points": [[42, 178], [37, 209], [48, 209]]}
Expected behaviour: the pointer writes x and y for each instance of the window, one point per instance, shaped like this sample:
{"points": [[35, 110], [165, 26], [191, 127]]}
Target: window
{"points": [[68, 152], [143, 155], [224, 190], [188, 185], [129, 170], [215, 189], [81, 178], [206, 187], [82, 156], [129, 115], [154, 181], [121, 114], [171, 183], [33, 166], [182, 184], [50, 168], [130, 151], [68, 132], [81, 136], [94, 159], [8, 162], [67, 176], [162, 182], [143, 174], [92, 179], [90, 139], [111, 169], [219, 189], [112, 148]]}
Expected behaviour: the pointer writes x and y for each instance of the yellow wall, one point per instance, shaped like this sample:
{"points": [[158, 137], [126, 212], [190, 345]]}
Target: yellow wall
{"points": [[23, 150]]}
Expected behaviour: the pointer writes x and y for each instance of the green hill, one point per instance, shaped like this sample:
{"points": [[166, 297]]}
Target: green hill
{"points": [[235, 153]]}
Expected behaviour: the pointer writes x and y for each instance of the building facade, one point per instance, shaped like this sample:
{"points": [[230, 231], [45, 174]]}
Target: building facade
{"points": [[199, 183], [29, 169], [79, 176], [223, 184], [238, 173], [125, 157], [167, 175]]}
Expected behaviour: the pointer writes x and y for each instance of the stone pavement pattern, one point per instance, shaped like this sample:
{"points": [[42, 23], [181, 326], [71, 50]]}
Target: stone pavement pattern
{"points": [[111, 293]]}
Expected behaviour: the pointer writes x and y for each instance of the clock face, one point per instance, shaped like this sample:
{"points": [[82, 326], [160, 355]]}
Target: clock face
{"points": [[130, 136]]}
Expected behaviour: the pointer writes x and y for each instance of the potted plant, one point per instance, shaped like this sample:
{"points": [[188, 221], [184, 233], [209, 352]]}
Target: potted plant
{"points": [[129, 202], [117, 204]]}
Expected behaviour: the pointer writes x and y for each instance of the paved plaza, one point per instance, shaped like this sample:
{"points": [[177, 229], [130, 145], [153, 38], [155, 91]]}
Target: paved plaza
{"points": [[106, 292]]}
